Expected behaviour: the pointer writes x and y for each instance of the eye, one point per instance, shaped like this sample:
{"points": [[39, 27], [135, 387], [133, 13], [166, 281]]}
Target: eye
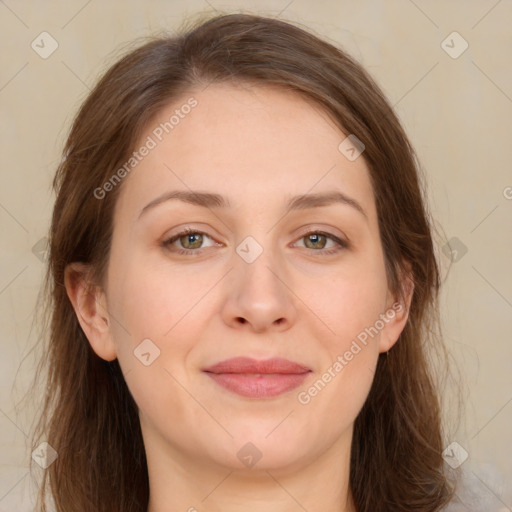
{"points": [[318, 240], [190, 239], [191, 242]]}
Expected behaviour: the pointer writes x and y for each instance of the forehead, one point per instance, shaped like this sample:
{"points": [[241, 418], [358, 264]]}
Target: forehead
{"points": [[253, 144]]}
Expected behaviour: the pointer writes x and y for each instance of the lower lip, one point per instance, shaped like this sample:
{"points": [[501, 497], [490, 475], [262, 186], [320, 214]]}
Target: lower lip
{"points": [[258, 386]]}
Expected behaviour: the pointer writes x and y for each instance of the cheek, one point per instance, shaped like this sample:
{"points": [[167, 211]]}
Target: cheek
{"points": [[332, 400], [163, 306], [349, 302], [154, 301], [350, 306]]}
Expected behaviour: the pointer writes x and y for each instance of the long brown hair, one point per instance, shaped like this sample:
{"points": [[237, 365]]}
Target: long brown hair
{"points": [[88, 415]]}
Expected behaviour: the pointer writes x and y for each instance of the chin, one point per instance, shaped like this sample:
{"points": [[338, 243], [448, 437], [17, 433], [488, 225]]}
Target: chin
{"points": [[260, 451]]}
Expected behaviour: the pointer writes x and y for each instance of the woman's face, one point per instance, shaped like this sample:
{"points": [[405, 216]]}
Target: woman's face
{"points": [[283, 260]]}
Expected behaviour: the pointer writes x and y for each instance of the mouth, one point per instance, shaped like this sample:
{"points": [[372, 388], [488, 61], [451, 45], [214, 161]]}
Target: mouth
{"points": [[258, 379]]}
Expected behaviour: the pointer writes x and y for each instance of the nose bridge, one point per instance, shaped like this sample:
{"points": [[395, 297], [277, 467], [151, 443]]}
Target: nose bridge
{"points": [[258, 265], [257, 292]]}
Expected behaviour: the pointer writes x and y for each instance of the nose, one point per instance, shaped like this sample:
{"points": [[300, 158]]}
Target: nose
{"points": [[259, 297]]}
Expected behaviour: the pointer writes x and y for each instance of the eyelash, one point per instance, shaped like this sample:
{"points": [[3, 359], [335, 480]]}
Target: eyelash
{"points": [[196, 252]]}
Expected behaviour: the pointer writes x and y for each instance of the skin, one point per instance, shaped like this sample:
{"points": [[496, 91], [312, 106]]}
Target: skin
{"points": [[257, 146]]}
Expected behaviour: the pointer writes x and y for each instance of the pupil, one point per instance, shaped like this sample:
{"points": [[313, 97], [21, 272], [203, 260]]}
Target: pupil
{"points": [[191, 237], [315, 238]]}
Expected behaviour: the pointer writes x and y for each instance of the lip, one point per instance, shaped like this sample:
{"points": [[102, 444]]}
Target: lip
{"points": [[258, 379]]}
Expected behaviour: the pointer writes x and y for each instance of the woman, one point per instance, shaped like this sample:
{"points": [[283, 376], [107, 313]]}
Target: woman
{"points": [[243, 286]]}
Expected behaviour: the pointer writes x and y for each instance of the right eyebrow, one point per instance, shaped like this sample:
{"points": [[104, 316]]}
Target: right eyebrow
{"points": [[205, 199]]}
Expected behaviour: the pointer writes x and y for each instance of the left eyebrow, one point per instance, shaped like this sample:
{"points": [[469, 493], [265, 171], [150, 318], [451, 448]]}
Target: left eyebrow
{"points": [[211, 200], [305, 201]]}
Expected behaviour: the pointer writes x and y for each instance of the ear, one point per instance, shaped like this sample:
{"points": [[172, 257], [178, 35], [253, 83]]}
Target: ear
{"points": [[397, 311], [90, 305]]}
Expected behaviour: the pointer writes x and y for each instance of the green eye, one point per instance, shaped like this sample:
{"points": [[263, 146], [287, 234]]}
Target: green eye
{"points": [[317, 241], [190, 240]]}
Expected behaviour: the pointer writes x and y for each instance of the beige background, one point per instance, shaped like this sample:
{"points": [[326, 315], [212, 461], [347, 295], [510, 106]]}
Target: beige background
{"points": [[457, 111]]}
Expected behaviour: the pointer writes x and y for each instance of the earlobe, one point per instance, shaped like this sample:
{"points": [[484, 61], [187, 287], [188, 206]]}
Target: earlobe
{"points": [[89, 303], [397, 313]]}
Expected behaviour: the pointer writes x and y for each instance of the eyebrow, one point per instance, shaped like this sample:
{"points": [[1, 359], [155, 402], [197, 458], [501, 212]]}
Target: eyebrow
{"points": [[211, 200]]}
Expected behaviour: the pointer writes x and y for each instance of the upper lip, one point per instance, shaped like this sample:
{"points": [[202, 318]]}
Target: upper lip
{"points": [[248, 365]]}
